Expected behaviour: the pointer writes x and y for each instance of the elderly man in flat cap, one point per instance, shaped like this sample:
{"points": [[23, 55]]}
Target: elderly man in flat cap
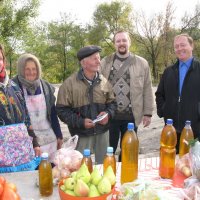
{"points": [[83, 97]]}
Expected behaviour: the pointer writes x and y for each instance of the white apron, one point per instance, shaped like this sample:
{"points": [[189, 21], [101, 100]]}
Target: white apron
{"points": [[37, 110]]}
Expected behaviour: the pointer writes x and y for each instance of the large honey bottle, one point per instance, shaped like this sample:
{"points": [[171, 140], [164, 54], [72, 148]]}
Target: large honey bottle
{"points": [[186, 136], [87, 159], [109, 160], [168, 142], [45, 176], [130, 146]]}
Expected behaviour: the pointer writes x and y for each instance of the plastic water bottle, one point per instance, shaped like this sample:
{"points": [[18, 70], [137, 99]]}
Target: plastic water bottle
{"points": [[186, 136], [109, 160], [87, 159], [130, 148], [45, 176], [168, 142]]}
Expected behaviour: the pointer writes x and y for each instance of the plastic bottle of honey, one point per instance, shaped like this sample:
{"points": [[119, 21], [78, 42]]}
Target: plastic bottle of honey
{"points": [[186, 136], [168, 142], [130, 147], [109, 160], [87, 159], [45, 176]]}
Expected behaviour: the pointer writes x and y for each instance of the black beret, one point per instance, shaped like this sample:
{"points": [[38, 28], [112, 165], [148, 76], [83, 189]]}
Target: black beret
{"points": [[87, 51]]}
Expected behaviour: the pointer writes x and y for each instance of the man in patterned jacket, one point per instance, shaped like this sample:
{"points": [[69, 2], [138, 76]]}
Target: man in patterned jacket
{"points": [[129, 75]]}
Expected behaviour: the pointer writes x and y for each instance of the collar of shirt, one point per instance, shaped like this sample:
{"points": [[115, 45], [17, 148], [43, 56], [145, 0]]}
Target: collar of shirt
{"points": [[187, 63]]}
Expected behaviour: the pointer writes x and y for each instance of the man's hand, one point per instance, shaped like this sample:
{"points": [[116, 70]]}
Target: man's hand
{"points": [[105, 120], [146, 121], [37, 151], [88, 123], [59, 143]]}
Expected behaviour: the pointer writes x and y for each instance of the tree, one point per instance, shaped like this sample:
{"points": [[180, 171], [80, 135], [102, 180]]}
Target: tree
{"points": [[152, 36], [107, 19], [15, 17], [65, 38], [191, 24]]}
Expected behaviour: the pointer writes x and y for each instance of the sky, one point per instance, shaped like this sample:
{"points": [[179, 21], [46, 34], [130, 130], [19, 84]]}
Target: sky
{"points": [[82, 10]]}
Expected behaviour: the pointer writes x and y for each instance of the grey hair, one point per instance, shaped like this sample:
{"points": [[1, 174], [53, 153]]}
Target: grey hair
{"points": [[23, 59]]}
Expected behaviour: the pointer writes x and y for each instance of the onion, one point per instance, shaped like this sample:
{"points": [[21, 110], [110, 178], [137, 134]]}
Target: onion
{"points": [[66, 163], [56, 172], [64, 173]]}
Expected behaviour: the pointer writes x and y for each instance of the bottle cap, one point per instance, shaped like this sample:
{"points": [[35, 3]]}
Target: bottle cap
{"points": [[86, 152], [109, 149], [45, 155], [169, 121], [130, 126], [187, 122]]}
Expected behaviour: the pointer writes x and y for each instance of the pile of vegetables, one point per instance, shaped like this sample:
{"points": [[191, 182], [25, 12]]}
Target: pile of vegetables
{"points": [[66, 162], [183, 165], [8, 191], [195, 158]]}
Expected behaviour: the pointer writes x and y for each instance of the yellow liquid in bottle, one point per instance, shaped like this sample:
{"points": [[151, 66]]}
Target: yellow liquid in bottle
{"points": [[167, 152], [129, 166], [109, 160], [88, 162], [186, 136], [45, 178]]}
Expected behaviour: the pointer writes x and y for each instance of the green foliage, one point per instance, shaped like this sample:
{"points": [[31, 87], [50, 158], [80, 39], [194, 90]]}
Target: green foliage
{"points": [[56, 43], [108, 18], [65, 39], [14, 21]]}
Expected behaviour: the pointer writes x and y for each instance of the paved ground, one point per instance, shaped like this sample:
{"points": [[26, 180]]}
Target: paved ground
{"points": [[149, 138]]}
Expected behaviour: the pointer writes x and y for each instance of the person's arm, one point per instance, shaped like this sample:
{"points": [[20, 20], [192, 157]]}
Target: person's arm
{"points": [[148, 100], [160, 97], [64, 106], [55, 123], [68, 116], [56, 127]]}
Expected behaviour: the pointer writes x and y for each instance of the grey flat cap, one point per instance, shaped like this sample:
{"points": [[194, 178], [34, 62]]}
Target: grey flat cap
{"points": [[87, 51]]}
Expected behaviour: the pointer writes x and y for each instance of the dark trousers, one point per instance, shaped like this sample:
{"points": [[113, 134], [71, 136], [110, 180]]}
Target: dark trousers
{"points": [[117, 130], [178, 142]]}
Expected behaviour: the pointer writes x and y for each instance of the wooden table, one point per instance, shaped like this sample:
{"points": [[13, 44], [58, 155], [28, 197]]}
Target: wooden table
{"points": [[148, 170]]}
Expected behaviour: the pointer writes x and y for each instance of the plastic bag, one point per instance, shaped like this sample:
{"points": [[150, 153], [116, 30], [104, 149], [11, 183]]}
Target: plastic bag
{"points": [[71, 143], [192, 191], [142, 190], [183, 165], [67, 159], [195, 159]]}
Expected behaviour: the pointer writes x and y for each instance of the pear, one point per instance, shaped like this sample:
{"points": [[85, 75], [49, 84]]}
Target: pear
{"points": [[93, 191], [69, 183], [81, 189], [104, 186], [70, 192], [109, 173], [95, 176], [62, 187], [83, 173], [73, 175]]}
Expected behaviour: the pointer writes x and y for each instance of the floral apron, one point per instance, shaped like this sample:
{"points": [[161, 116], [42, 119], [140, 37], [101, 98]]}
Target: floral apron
{"points": [[37, 110]]}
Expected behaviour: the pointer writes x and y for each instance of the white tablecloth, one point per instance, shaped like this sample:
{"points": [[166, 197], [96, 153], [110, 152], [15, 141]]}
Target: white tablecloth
{"points": [[148, 170]]}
